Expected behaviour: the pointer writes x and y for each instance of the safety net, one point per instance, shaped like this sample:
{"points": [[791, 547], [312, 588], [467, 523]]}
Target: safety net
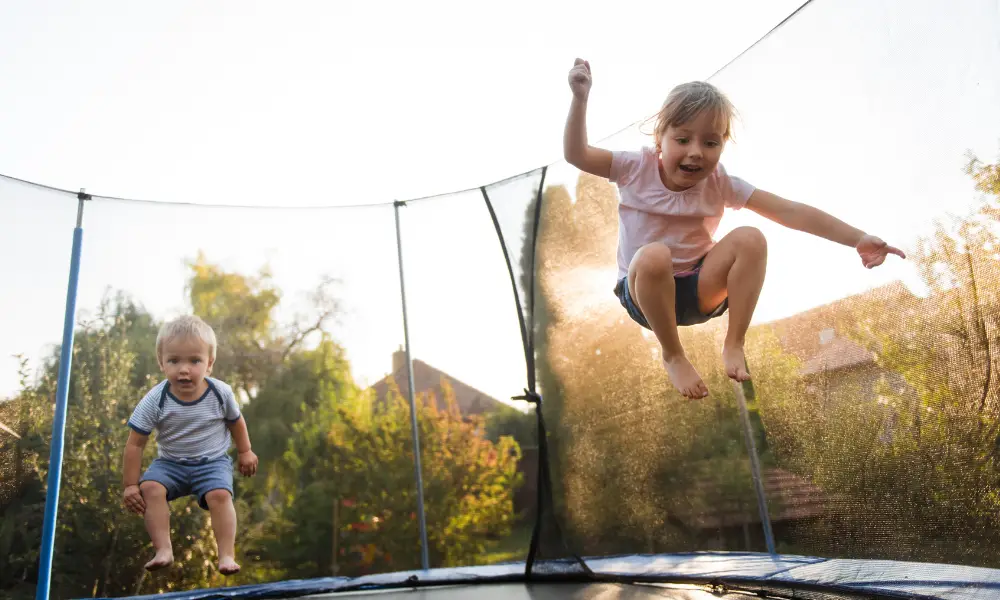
{"points": [[447, 389], [34, 269], [873, 412]]}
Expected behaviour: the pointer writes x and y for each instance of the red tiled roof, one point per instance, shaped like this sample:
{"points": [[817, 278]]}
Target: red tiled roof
{"points": [[789, 496], [430, 379], [886, 308], [837, 354]]}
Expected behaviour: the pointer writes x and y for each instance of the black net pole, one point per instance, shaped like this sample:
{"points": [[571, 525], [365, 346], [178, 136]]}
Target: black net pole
{"points": [[531, 394]]}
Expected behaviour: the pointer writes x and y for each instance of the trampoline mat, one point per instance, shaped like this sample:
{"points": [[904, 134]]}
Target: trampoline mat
{"points": [[562, 591]]}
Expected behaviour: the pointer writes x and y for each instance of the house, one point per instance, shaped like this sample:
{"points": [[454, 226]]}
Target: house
{"points": [[426, 378], [838, 371], [837, 368], [732, 521]]}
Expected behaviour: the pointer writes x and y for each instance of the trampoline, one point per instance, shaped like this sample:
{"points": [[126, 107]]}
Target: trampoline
{"points": [[676, 577], [863, 462]]}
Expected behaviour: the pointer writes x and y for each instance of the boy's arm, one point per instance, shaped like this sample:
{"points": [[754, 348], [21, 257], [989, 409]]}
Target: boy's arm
{"points": [[131, 496], [809, 219], [576, 150], [247, 459], [133, 457]]}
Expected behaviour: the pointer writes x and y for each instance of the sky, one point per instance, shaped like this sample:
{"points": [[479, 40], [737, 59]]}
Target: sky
{"points": [[864, 109]]}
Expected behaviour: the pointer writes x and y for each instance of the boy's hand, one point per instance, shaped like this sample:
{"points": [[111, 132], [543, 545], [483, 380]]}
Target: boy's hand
{"points": [[132, 499], [248, 463], [873, 251], [580, 79]]}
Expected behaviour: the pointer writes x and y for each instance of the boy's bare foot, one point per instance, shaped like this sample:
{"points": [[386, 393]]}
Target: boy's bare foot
{"points": [[162, 559], [684, 377], [228, 566], [735, 362]]}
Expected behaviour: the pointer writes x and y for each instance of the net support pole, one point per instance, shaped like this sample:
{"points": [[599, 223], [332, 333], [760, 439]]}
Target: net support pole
{"points": [[755, 473], [59, 420], [424, 554]]}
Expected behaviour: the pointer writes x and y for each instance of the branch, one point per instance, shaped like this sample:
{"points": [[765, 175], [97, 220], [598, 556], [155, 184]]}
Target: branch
{"points": [[328, 307], [303, 334], [9, 430], [986, 340]]}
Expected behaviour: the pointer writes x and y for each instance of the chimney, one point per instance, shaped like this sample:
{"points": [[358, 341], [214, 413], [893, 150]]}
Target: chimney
{"points": [[825, 336], [399, 360]]}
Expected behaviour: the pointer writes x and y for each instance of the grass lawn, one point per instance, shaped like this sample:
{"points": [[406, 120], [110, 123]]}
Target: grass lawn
{"points": [[512, 547]]}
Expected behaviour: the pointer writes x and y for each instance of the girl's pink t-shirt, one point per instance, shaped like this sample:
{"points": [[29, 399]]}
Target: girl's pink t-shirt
{"points": [[684, 221]]}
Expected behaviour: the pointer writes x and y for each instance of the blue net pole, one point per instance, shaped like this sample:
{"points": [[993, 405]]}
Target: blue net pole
{"points": [[59, 421], [424, 554]]}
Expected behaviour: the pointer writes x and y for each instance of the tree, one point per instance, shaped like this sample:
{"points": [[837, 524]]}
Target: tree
{"points": [[240, 309], [22, 495], [511, 422], [919, 454], [351, 495], [99, 548]]}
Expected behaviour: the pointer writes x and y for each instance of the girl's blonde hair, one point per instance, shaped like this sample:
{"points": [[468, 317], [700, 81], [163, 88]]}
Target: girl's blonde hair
{"points": [[186, 326], [688, 100]]}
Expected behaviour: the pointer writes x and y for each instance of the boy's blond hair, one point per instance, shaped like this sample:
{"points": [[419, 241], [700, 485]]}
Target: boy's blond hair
{"points": [[686, 101], [186, 326]]}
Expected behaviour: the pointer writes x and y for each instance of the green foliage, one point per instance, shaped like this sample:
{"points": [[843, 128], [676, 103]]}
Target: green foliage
{"points": [[919, 453], [239, 310], [99, 547], [352, 499], [508, 421]]}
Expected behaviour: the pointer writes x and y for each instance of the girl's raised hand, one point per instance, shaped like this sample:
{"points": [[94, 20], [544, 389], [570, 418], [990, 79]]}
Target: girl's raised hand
{"points": [[580, 79]]}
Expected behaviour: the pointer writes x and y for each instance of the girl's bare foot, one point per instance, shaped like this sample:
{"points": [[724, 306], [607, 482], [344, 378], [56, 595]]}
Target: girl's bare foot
{"points": [[162, 559], [735, 362], [228, 566], [684, 377]]}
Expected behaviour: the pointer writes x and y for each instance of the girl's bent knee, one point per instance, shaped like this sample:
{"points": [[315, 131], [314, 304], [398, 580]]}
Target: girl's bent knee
{"points": [[654, 260], [751, 238]]}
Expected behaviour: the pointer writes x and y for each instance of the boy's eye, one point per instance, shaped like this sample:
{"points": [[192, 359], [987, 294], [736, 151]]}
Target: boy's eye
{"points": [[196, 360], [712, 144], [172, 361], [682, 140]]}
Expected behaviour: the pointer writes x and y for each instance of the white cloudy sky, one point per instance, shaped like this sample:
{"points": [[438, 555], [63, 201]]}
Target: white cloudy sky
{"points": [[862, 108]]}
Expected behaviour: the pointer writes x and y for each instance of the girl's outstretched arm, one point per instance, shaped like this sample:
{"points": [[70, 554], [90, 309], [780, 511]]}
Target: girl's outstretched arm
{"points": [[809, 219], [576, 150]]}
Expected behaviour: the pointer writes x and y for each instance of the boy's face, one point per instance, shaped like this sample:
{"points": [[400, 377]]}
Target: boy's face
{"points": [[186, 361], [690, 152]]}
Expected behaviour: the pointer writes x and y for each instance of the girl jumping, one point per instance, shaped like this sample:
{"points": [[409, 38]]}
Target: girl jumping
{"points": [[671, 271]]}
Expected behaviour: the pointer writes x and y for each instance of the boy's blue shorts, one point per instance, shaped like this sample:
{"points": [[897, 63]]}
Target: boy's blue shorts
{"points": [[197, 478], [685, 300]]}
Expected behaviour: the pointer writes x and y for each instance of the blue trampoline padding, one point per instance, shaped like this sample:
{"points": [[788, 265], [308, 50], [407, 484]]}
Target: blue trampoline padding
{"points": [[925, 580]]}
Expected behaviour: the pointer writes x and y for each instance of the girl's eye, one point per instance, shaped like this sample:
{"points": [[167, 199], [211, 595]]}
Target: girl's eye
{"points": [[682, 140]]}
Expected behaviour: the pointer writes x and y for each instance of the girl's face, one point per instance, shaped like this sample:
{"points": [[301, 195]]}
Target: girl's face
{"points": [[690, 152]]}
